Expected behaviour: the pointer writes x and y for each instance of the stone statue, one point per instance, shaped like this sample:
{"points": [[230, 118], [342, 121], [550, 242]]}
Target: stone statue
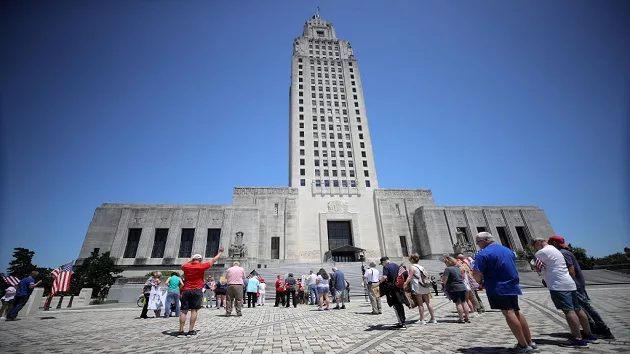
{"points": [[463, 246], [238, 248]]}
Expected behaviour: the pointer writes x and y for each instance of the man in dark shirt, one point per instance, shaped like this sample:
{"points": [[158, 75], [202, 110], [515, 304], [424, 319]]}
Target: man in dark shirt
{"points": [[392, 293], [597, 324]]}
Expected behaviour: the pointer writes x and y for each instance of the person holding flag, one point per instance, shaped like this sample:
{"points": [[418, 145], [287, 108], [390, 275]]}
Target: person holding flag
{"points": [[24, 291]]}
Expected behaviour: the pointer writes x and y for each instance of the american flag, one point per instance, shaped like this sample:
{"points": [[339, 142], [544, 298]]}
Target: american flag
{"points": [[252, 274], [62, 276], [11, 280], [539, 265], [401, 270]]}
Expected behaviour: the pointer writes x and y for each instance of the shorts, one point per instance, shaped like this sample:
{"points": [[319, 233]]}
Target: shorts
{"points": [[458, 297], [565, 300], [191, 299], [340, 293], [504, 302], [220, 291], [323, 290]]}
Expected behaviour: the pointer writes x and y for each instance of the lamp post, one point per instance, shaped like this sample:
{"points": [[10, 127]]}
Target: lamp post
{"points": [[362, 258]]}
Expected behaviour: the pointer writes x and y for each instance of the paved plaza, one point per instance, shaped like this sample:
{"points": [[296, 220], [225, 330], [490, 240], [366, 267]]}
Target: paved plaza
{"points": [[306, 330]]}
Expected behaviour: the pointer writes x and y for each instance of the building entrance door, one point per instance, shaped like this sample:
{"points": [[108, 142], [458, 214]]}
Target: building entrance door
{"points": [[339, 235]]}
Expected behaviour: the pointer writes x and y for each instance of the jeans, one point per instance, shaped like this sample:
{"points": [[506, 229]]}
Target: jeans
{"points": [[208, 294], [312, 293], [595, 321], [291, 294], [172, 297], [280, 297], [18, 303], [252, 298], [145, 308]]}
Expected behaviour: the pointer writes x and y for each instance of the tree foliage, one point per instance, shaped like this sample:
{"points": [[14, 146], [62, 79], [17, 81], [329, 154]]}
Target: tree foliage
{"points": [[97, 272], [586, 262], [22, 264], [615, 258]]}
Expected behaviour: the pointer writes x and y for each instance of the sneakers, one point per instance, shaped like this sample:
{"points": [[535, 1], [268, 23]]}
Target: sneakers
{"points": [[343, 307], [422, 322], [520, 349], [590, 339], [575, 343], [532, 345], [433, 321], [400, 326], [605, 335]]}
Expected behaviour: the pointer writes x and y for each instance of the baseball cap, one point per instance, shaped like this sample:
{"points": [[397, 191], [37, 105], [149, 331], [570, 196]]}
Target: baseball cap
{"points": [[559, 240], [197, 256], [383, 259]]}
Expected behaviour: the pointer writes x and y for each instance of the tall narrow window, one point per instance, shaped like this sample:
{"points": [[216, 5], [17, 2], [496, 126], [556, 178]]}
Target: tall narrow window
{"points": [[186, 245], [275, 208], [133, 239], [212, 243], [159, 243], [522, 235], [403, 246], [481, 229], [275, 248], [503, 236]]}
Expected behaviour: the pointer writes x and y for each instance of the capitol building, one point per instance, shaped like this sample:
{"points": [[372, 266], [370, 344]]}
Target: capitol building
{"points": [[332, 208]]}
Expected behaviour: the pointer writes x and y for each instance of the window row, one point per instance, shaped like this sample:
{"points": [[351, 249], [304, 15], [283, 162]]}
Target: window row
{"points": [[337, 183], [159, 242]]}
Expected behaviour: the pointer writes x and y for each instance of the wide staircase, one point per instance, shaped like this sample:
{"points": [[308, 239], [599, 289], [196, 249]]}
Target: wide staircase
{"points": [[351, 270]]}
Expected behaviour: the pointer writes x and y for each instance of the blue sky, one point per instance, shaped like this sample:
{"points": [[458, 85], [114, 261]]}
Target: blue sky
{"points": [[486, 103]]}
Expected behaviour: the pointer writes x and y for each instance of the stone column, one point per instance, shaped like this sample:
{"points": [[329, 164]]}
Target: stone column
{"points": [[201, 233], [511, 230], [120, 240], [290, 230], [174, 233], [147, 236]]}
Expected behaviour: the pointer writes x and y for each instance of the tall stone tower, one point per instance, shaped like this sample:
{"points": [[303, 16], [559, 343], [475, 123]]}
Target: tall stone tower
{"points": [[330, 150]]}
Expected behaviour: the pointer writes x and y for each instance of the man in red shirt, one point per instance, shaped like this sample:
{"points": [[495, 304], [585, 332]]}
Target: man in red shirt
{"points": [[279, 290], [191, 291]]}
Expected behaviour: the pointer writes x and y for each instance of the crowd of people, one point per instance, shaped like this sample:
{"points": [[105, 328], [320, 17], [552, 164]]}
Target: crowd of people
{"points": [[493, 269]]}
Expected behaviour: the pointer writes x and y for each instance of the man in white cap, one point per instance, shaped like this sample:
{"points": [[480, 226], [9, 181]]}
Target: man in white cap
{"points": [[191, 292]]}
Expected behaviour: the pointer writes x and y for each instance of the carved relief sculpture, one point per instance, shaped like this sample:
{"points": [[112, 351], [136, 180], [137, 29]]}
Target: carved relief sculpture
{"points": [[337, 206], [238, 248]]}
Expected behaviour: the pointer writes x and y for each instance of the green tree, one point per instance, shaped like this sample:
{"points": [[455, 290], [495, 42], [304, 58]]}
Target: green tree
{"points": [[98, 272], [615, 258], [586, 262], [22, 264]]}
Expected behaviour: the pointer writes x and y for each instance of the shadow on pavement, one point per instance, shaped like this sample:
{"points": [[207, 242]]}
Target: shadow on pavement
{"points": [[381, 327]]}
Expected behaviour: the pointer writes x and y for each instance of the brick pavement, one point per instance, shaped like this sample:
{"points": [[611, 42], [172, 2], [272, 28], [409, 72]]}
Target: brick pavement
{"points": [[305, 330]]}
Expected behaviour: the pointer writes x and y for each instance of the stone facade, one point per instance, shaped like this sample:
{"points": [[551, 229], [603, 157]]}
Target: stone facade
{"points": [[332, 183]]}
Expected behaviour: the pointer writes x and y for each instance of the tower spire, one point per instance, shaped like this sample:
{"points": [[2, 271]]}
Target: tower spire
{"points": [[317, 13]]}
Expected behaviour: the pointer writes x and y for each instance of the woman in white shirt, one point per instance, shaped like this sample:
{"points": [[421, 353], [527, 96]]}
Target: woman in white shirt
{"points": [[420, 287]]}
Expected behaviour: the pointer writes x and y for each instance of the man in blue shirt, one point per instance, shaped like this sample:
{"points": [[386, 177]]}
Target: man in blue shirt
{"points": [[497, 265], [339, 280], [24, 290]]}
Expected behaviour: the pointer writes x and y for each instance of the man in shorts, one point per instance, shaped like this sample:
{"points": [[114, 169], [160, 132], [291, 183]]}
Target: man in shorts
{"points": [[563, 292], [497, 265], [191, 291]]}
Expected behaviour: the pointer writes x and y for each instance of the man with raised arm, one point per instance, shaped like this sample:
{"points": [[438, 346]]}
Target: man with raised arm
{"points": [[191, 291]]}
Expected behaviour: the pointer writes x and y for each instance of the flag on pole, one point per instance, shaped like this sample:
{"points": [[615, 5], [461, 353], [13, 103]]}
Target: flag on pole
{"points": [[252, 274], [540, 265], [61, 276], [11, 280]]}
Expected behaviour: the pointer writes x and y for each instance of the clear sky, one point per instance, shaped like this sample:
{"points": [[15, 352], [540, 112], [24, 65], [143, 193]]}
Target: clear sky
{"points": [[485, 102]]}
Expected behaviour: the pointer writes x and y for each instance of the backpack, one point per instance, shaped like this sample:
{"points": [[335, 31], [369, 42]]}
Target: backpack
{"points": [[425, 278], [400, 278]]}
